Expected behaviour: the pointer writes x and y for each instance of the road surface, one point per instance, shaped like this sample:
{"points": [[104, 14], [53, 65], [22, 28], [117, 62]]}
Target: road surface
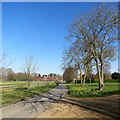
{"points": [[34, 106]]}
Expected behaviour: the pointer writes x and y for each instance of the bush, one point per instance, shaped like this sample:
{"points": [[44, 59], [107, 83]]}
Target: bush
{"points": [[105, 81], [88, 81], [92, 81], [115, 75], [78, 81]]}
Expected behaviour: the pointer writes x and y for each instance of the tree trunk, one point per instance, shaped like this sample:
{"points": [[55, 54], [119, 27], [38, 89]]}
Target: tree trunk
{"points": [[99, 75], [102, 77], [28, 82], [28, 85], [81, 76], [85, 75], [28, 72]]}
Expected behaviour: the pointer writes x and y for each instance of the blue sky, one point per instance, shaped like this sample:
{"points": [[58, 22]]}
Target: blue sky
{"points": [[38, 29]]}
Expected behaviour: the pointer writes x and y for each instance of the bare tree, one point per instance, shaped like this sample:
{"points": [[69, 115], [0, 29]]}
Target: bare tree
{"points": [[79, 58], [102, 23], [30, 68], [97, 31], [3, 60], [4, 63]]}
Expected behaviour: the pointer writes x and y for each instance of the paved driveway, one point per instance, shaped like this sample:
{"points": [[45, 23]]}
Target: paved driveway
{"points": [[34, 106]]}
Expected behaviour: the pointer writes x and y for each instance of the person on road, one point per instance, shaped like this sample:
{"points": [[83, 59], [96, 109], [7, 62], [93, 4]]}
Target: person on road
{"points": [[57, 82]]}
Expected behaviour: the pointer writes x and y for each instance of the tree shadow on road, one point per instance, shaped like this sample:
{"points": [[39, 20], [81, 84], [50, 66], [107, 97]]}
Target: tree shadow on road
{"points": [[104, 106]]}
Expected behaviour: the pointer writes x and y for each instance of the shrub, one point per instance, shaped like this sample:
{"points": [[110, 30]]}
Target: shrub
{"points": [[115, 75], [97, 81]]}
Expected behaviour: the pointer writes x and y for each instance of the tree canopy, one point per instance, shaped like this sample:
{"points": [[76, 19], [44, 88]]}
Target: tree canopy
{"points": [[92, 37]]}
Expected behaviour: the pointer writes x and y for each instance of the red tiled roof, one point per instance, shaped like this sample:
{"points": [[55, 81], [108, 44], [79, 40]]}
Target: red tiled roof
{"points": [[20, 73], [44, 78]]}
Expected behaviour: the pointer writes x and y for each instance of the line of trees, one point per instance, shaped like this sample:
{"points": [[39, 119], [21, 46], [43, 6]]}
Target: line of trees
{"points": [[92, 38]]}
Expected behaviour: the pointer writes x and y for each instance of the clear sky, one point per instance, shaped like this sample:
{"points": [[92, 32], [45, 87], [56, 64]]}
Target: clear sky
{"points": [[38, 29]]}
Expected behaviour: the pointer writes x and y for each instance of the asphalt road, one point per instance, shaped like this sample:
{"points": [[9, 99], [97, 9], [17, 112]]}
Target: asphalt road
{"points": [[34, 106]]}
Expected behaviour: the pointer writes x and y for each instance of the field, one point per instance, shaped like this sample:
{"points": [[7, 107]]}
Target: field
{"points": [[16, 91], [7, 86], [91, 90]]}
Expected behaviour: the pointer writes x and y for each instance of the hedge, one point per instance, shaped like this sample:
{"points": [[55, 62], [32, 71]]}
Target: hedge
{"points": [[105, 81]]}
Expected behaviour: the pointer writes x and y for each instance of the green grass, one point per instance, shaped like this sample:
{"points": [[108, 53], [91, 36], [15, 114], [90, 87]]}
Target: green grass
{"points": [[21, 84], [91, 90], [22, 93]]}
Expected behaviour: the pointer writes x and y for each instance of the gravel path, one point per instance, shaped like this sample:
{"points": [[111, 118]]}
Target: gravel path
{"points": [[34, 106]]}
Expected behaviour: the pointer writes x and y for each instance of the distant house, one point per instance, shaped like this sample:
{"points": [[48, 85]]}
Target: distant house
{"points": [[6, 71], [44, 78], [37, 78]]}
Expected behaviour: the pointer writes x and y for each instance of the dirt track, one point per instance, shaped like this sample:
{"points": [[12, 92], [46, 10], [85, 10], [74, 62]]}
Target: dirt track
{"points": [[104, 107]]}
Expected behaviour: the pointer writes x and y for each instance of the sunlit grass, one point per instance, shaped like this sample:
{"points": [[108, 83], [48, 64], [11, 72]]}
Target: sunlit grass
{"points": [[22, 93], [91, 90], [21, 84]]}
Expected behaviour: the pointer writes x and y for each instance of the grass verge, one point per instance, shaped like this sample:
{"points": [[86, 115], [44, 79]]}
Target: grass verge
{"points": [[22, 93], [91, 90]]}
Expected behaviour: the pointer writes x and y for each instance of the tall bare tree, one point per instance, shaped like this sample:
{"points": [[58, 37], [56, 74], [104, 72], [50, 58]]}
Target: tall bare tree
{"points": [[97, 31]]}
